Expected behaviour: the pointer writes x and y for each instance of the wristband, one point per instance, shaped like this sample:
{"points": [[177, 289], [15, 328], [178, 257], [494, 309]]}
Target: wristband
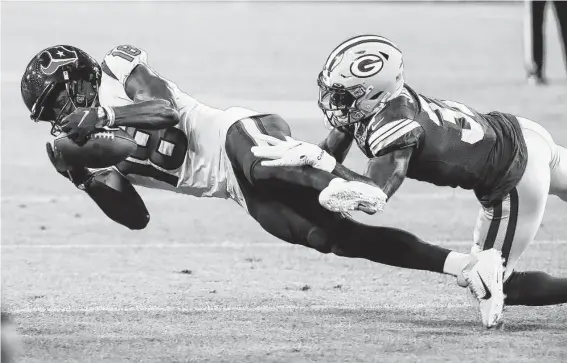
{"points": [[106, 114]]}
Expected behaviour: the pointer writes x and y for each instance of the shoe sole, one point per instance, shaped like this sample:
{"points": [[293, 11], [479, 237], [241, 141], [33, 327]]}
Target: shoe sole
{"points": [[340, 198]]}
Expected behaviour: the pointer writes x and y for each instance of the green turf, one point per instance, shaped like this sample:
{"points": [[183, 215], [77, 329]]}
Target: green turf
{"points": [[86, 290]]}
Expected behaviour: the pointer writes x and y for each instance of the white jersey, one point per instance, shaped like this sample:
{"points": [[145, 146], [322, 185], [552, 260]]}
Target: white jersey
{"points": [[189, 158]]}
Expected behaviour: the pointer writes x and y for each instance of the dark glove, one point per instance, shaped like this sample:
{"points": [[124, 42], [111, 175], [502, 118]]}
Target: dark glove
{"points": [[83, 122], [77, 175]]}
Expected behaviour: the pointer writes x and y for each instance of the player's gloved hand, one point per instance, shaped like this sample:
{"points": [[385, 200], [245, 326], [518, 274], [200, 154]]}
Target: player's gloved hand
{"points": [[77, 175], [83, 122], [292, 152]]}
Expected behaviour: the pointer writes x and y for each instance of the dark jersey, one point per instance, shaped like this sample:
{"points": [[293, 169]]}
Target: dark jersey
{"points": [[454, 145]]}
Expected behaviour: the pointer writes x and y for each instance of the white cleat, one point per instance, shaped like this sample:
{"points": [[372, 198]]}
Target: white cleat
{"points": [[485, 281], [344, 196]]}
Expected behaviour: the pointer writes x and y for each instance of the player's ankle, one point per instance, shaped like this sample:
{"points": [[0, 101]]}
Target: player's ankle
{"points": [[456, 262]]}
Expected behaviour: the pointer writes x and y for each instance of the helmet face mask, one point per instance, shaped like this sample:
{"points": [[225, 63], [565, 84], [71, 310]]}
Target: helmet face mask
{"points": [[339, 103], [57, 81], [62, 100], [359, 77]]}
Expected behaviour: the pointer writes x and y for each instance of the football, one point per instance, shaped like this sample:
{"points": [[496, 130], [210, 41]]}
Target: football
{"points": [[102, 149]]}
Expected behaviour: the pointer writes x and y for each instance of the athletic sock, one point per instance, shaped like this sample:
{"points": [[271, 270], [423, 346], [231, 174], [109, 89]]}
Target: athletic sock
{"points": [[455, 263]]}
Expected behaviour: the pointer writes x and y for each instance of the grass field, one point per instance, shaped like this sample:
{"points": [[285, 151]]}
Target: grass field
{"points": [[203, 282]]}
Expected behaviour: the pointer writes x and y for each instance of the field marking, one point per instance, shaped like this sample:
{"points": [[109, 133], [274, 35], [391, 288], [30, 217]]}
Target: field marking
{"points": [[212, 308], [274, 244]]}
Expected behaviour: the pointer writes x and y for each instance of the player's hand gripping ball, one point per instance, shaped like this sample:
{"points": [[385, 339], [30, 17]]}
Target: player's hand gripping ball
{"points": [[82, 122], [103, 148]]}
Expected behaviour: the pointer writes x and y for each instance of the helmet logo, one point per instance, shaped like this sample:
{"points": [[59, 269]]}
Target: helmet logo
{"points": [[57, 57], [366, 66]]}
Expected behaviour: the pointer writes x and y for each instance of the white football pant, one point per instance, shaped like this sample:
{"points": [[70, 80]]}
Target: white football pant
{"points": [[511, 225]]}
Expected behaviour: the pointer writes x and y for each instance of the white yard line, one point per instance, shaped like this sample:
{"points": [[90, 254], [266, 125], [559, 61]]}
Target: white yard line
{"points": [[213, 308], [227, 244]]}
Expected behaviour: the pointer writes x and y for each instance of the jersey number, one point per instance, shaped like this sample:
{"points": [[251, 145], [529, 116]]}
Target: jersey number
{"points": [[158, 153], [457, 114], [126, 52]]}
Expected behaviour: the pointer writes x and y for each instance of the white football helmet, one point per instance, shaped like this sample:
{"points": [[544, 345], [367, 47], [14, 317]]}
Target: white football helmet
{"points": [[359, 77]]}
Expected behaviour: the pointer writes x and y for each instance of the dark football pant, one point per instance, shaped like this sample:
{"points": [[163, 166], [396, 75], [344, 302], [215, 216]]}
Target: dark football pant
{"points": [[284, 201], [535, 288], [534, 33]]}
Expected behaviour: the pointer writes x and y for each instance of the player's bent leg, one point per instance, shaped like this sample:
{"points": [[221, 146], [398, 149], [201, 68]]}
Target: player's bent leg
{"points": [[241, 138], [117, 198], [511, 225], [546, 171]]}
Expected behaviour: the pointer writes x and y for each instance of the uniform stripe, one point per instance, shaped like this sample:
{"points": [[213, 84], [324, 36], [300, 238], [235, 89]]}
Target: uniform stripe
{"points": [[260, 125], [494, 226], [512, 223], [349, 43], [107, 70], [503, 227], [250, 127], [379, 145], [383, 130], [352, 42]]}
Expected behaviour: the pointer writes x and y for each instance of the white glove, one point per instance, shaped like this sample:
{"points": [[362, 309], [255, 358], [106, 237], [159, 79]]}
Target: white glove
{"points": [[292, 153]]}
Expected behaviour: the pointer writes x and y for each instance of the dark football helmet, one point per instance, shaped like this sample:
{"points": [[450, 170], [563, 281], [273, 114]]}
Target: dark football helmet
{"points": [[58, 80]]}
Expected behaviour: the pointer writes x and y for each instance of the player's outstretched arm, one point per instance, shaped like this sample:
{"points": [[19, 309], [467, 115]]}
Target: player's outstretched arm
{"points": [[150, 115], [154, 114], [293, 152], [337, 144], [389, 171]]}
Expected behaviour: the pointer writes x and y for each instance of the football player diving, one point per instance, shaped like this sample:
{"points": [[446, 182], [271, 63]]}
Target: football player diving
{"points": [[189, 147], [510, 162]]}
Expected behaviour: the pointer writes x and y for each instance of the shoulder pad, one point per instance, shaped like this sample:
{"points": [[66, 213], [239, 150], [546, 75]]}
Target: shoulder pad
{"points": [[120, 61], [393, 128]]}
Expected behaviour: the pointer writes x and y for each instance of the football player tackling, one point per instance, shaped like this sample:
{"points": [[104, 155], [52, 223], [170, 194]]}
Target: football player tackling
{"points": [[188, 147], [511, 163]]}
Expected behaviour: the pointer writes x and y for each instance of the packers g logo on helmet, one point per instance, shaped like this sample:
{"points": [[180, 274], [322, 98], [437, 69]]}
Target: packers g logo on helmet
{"points": [[359, 77], [366, 66]]}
